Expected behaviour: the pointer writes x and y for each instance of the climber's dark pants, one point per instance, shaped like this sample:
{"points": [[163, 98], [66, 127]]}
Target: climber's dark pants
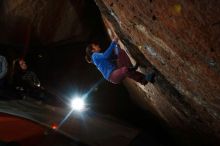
{"points": [[123, 64]]}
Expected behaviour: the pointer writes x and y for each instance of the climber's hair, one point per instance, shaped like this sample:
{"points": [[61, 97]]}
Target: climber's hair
{"points": [[89, 52]]}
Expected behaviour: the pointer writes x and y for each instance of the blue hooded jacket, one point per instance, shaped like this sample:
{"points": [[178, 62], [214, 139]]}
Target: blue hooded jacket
{"points": [[103, 61]]}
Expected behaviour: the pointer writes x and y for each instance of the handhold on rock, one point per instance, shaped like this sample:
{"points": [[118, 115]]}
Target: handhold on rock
{"points": [[177, 8]]}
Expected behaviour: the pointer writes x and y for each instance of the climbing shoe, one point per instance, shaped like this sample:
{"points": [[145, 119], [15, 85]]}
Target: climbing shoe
{"points": [[133, 68], [150, 77]]}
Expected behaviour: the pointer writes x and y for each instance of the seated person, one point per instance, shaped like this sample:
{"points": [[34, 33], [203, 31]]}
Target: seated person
{"points": [[24, 80], [3, 70]]}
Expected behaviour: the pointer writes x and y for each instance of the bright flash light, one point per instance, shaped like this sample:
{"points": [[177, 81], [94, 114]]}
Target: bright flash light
{"points": [[78, 104]]}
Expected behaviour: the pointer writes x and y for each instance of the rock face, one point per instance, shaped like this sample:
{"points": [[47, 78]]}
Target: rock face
{"points": [[42, 21], [181, 40]]}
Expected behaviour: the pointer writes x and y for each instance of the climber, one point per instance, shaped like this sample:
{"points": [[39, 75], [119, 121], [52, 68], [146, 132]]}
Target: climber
{"points": [[114, 64]]}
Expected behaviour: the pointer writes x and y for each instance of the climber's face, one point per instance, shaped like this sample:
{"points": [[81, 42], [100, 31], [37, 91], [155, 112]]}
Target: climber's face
{"points": [[95, 48]]}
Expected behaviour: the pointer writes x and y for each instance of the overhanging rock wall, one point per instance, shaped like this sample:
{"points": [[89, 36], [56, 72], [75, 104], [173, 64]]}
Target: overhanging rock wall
{"points": [[42, 21], [181, 40]]}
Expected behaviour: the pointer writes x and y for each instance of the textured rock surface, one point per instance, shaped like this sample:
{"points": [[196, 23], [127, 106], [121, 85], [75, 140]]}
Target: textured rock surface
{"points": [[181, 40], [45, 21]]}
